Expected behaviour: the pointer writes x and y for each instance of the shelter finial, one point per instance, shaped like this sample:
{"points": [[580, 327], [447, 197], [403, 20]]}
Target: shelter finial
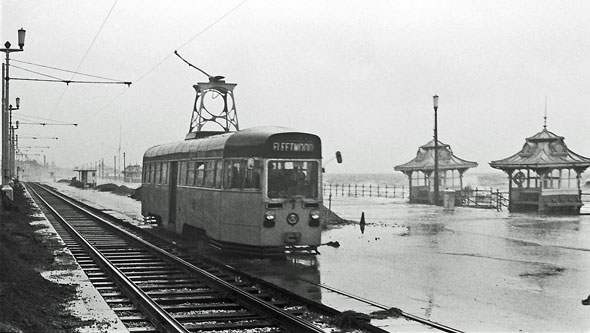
{"points": [[545, 117]]}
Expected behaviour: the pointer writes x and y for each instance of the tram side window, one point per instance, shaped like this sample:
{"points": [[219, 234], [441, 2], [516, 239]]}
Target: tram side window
{"points": [[152, 178], [199, 173], [234, 174], [164, 173], [158, 173], [218, 172], [253, 173], [182, 173], [146, 174], [190, 180], [210, 173]]}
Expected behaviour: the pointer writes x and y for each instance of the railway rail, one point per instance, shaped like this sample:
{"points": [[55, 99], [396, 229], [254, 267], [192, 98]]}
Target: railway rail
{"points": [[153, 290]]}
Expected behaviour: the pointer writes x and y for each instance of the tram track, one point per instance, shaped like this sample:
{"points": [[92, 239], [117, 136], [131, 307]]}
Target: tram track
{"points": [[152, 290]]}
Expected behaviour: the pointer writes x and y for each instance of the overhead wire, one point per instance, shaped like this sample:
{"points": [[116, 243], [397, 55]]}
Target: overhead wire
{"points": [[62, 70], [29, 117], [149, 71], [153, 68], [82, 60], [85, 55], [56, 79]]}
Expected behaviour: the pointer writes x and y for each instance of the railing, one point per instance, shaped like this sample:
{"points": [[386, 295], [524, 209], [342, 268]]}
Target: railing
{"points": [[365, 190], [585, 197], [489, 199], [473, 198]]}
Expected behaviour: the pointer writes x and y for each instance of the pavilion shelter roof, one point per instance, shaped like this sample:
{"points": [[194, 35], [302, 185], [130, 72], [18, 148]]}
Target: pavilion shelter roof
{"points": [[544, 150], [424, 160]]}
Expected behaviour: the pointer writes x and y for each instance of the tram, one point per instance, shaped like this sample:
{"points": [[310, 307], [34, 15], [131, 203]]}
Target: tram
{"points": [[256, 190]]}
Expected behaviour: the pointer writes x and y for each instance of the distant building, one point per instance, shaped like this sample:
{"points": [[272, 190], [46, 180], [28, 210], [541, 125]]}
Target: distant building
{"points": [[87, 177], [420, 172], [132, 174], [544, 175]]}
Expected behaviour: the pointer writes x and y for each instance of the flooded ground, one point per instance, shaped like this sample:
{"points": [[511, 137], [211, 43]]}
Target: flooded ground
{"points": [[471, 269], [474, 270]]}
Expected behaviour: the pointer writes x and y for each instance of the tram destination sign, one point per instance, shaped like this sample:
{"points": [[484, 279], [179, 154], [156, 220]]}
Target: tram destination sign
{"points": [[285, 146]]}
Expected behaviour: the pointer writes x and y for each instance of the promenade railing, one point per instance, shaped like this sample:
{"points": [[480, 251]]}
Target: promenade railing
{"points": [[484, 198], [365, 190]]}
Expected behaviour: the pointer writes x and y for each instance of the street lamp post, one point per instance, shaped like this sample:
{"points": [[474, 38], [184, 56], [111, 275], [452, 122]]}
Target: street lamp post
{"points": [[435, 103], [12, 139], [6, 172]]}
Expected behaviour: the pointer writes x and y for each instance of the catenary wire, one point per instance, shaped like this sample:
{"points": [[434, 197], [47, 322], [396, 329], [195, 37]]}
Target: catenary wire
{"points": [[153, 68], [84, 57], [63, 70]]}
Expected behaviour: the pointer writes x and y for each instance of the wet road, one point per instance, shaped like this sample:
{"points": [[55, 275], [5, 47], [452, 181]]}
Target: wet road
{"points": [[474, 270]]}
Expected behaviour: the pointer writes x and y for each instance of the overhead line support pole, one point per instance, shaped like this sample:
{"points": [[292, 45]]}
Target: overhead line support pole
{"points": [[5, 101]]}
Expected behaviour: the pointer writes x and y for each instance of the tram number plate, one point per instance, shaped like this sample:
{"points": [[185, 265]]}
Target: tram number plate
{"points": [[291, 237]]}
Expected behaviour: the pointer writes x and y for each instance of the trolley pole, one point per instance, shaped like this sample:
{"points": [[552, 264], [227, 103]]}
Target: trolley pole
{"points": [[435, 102]]}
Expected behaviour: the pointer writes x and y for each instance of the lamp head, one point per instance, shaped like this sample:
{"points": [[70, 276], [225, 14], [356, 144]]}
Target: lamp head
{"points": [[435, 101], [17, 102], [21, 38]]}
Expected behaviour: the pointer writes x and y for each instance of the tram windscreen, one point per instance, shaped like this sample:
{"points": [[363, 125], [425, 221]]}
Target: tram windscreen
{"points": [[288, 179]]}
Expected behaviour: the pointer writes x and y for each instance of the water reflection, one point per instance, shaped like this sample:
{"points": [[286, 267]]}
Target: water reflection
{"points": [[362, 223], [471, 269], [298, 274]]}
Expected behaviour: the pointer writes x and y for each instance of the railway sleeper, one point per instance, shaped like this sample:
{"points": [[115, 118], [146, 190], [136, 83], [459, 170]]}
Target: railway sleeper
{"points": [[169, 285], [172, 293], [202, 307], [201, 317], [134, 259], [163, 277], [184, 299], [130, 272], [240, 325]]}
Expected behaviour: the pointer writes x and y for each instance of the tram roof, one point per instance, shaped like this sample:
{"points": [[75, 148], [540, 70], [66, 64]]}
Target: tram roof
{"points": [[251, 142], [424, 160], [544, 150]]}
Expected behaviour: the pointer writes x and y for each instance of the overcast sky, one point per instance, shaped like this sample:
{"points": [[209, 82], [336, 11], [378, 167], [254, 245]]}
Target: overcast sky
{"points": [[360, 74]]}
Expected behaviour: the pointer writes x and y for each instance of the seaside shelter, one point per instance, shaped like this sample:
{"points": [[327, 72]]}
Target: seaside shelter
{"points": [[87, 177], [420, 172], [544, 175]]}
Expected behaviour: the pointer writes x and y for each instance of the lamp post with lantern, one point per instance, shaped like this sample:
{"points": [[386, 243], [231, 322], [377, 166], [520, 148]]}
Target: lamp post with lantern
{"points": [[6, 171], [435, 104]]}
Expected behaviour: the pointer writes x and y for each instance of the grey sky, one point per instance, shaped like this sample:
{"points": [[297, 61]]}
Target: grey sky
{"points": [[359, 74]]}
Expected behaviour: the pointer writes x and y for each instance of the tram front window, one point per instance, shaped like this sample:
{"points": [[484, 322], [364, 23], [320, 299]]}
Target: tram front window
{"points": [[292, 178]]}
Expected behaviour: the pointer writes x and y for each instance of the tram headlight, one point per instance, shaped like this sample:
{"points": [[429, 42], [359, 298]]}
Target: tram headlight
{"points": [[269, 219], [292, 219], [314, 218]]}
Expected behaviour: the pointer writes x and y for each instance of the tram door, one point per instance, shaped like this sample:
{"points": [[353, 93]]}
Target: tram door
{"points": [[172, 191]]}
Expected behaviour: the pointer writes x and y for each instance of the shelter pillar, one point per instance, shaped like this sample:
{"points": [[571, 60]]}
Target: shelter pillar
{"points": [[510, 196], [409, 174]]}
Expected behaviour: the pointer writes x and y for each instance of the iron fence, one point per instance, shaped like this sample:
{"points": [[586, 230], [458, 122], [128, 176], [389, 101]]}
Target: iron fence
{"points": [[365, 190], [484, 198]]}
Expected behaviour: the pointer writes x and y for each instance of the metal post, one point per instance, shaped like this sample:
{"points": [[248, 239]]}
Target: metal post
{"points": [[12, 143], [6, 171], [436, 151], [5, 164], [124, 167]]}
